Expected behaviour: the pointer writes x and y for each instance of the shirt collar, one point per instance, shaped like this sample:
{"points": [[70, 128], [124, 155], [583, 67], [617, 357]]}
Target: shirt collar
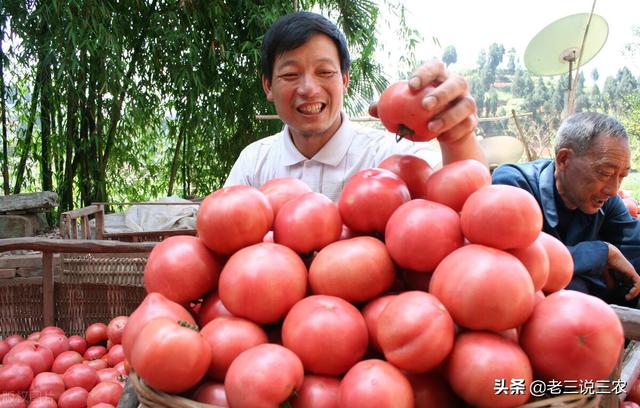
{"points": [[547, 195], [331, 153]]}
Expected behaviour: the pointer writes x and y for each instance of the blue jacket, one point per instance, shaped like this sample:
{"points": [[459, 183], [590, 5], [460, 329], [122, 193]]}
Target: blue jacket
{"points": [[584, 234]]}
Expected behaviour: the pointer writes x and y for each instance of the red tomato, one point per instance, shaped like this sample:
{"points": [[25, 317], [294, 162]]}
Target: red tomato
{"points": [[15, 377], [631, 205], [43, 402], [560, 263], [281, 190], [479, 360], [57, 343], [317, 391], [36, 356], [154, 305], [75, 397], [413, 170], [233, 218], [170, 357], [122, 367], [228, 337], [356, 269], [272, 373], [77, 343], [115, 329], [534, 257], [415, 332], [455, 182], [97, 364], [373, 384], [502, 217], [95, 352], [34, 336], [211, 393], [115, 355], [310, 212], [431, 390], [4, 348], [371, 313], [369, 198], [96, 333], [52, 330], [250, 277], [13, 340], [46, 384], [108, 374], [175, 258], [572, 335], [633, 393], [401, 112], [421, 233], [211, 308], [80, 375], [328, 334], [104, 392], [629, 404], [484, 288], [11, 400]]}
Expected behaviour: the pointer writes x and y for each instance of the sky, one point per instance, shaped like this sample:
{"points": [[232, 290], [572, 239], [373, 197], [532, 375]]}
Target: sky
{"points": [[472, 25]]}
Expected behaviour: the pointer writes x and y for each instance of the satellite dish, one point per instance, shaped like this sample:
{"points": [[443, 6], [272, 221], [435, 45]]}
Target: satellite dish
{"points": [[502, 149]]}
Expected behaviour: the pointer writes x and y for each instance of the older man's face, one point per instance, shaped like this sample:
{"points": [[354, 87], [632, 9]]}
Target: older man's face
{"points": [[586, 182]]}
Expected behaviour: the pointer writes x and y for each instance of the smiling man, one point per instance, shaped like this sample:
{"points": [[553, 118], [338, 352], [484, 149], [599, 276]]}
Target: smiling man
{"points": [[305, 73], [577, 192]]}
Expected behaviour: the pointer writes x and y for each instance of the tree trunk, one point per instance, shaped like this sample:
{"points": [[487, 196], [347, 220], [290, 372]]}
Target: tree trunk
{"points": [[176, 156], [66, 189], [5, 142], [84, 149], [45, 129]]}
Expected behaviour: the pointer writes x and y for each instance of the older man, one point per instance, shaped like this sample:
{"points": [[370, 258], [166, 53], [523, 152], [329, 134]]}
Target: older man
{"points": [[577, 192]]}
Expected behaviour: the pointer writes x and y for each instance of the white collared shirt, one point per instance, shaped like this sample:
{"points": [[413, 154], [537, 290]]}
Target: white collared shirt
{"points": [[351, 149]]}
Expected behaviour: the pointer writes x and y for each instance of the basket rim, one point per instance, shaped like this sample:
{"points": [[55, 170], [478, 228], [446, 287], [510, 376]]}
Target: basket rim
{"points": [[150, 397]]}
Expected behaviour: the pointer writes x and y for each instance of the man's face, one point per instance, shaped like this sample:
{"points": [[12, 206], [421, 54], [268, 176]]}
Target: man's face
{"points": [[586, 182], [307, 88]]}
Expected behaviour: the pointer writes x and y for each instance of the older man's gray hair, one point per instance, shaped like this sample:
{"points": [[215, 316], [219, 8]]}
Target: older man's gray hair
{"points": [[579, 131]]}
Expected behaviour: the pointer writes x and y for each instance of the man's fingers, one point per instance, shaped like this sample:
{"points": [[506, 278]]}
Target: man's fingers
{"points": [[467, 126], [432, 71], [461, 112]]}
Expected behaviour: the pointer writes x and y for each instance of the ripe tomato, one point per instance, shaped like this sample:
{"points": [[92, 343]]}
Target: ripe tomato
{"points": [[479, 360], [170, 357], [115, 355], [57, 343], [77, 343], [211, 308], [413, 170], [262, 282], [431, 390], [51, 330], [415, 332], [631, 205], [328, 334], [572, 335], [271, 372], [233, 217], [534, 257], [182, 268], [355, 269], [373, 384], [484, 288], [13, 340], [15, 377], [43, 402], [502, 217], [455, 182], [211, 393], [307, 223], [4, 348], [11, 400], [229, 336], [560, 263], [96, 333], [80, 375], [46, 384], [401, 112], [36, 356], [318, 391], [281, 190], [75, 397], [154, 305], [633, 393], [422, 233], [104, 392], [371, 313], [95, 352], [115, 329], [369, 198]]}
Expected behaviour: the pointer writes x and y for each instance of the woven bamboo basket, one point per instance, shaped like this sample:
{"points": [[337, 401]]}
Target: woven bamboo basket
{"points": [[150, 398], [566, 401]]}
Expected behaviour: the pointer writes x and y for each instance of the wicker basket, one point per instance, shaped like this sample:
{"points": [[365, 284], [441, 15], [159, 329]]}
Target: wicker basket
{"points": [[566, 401], [150, 398], [20, 306]]}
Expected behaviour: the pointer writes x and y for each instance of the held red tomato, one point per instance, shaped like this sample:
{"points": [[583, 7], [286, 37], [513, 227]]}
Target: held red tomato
{"points": [[480, 360], [413, 170], [307, 223], [182, 268], [262, 282], [233, 218], [422, 233], [373, 384], [502, 217], [154, 305], [271, 372], [572, 336], [281, 190], [328, 334], [355, 269], [484, 288], [415, 332], [454, 183], [369, 198], [15, 377], [317, 391], [229, 336], [170, 357], [401, 112]]}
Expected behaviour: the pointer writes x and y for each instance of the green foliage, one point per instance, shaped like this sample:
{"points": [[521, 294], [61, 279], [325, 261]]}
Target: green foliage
{"points": [[450, 55]]}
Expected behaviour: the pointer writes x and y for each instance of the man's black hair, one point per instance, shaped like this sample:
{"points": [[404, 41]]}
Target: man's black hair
{"points": [[294, 30]]}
